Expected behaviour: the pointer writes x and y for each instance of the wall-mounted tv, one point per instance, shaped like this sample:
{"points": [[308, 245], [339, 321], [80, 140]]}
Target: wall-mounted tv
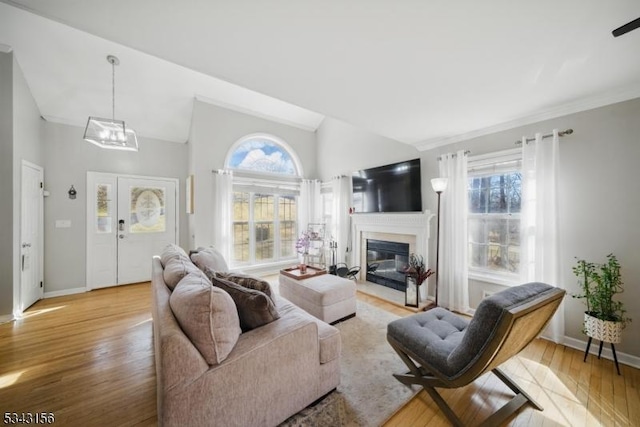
{"points": [[390, 188]]}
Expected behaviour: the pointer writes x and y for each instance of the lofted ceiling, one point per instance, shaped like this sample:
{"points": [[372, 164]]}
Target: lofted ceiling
{"points": [[425, 73]]}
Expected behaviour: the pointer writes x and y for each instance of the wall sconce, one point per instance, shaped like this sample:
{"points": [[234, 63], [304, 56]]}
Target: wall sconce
{"points": [[72, 193]]}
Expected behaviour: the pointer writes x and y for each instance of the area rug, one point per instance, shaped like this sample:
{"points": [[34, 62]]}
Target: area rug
{"points": [[368, 394]]}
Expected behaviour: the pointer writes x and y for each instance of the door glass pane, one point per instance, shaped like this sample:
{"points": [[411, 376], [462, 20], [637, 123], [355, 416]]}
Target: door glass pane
{"points": [[147, 210], [104, 208]]}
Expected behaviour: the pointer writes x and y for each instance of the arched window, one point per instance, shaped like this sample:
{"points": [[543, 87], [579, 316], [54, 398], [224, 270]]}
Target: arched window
{"points": [[264, 211], [263, 153]]}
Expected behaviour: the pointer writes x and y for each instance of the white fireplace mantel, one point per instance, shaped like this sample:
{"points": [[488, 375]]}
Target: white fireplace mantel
{"points": [[411, 223]]}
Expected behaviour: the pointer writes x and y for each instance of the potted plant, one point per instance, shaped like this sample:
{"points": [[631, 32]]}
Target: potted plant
{"points": [[416, 273], [302, 246], [604, 318]]}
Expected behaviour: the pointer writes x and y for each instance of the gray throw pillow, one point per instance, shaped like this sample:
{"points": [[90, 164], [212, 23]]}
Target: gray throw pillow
{"points": [[247, 281], [207, 315], [255, 308], [172, 251], [176, 269], [209, 257]]}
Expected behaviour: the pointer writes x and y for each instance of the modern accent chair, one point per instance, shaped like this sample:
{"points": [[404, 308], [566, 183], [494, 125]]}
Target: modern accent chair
{"points": [[444, 350]]}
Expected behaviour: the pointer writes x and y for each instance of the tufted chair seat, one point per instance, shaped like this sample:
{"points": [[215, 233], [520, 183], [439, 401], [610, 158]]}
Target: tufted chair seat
{"points": [[442, 349]]}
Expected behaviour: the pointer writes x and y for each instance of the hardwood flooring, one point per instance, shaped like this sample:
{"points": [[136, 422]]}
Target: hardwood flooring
{"points": [[88, 359]]}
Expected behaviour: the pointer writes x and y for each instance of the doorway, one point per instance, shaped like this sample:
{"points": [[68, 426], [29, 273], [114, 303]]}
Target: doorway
{"points": [[31, 235], [129, 219]]}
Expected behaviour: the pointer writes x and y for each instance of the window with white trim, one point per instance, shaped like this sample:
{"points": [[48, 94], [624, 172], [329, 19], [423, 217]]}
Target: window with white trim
{"points": [[265, 200], [495, 199]]}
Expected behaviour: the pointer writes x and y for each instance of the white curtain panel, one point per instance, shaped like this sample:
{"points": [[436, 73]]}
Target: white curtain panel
{"points": [[453, 277], [539, 246], [309, 203], [341, 186], [222, 220]]}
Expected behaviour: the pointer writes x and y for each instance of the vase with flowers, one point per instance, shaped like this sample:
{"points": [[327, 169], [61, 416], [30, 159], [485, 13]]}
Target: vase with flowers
{"points": [[302, 246], [416, 273]]}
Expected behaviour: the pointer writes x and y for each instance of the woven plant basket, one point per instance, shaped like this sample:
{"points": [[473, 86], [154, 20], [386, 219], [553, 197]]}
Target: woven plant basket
{"points": [[603, 330]]}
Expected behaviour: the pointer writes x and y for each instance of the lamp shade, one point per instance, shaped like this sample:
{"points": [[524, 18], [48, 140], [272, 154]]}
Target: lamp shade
{"points": [[439, 184]]}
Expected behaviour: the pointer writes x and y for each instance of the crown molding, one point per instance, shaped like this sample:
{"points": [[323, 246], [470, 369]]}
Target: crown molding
{"points": [[585, 104]]}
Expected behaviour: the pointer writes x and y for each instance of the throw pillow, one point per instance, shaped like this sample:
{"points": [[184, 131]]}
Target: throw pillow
{"points": [[176, 269], [247, 281], [255, 308], [172, 251], [207, 315], [209, 257]]}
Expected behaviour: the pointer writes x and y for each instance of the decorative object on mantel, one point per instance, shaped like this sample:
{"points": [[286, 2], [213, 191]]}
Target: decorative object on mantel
{"points": [[604, 318], [438, 185], [302, 246], [111, 133], [415, 274]]}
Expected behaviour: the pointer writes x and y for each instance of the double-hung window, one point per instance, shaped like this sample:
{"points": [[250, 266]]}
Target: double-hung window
{"points": [[266, 186], [264, 226], [495, 188]]}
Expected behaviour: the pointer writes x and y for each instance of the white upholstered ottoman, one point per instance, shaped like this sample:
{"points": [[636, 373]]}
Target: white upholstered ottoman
{"points": [[329, 298]]}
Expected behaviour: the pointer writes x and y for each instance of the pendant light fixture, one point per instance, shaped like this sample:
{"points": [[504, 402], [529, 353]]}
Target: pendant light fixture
{"points": [[111, 133]]}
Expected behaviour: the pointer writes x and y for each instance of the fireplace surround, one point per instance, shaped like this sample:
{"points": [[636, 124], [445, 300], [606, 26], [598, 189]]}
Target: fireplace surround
{"points": [[412, 228]]}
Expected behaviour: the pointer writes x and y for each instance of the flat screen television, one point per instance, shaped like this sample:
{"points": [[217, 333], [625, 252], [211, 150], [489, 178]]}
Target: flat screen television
{"points": [[390, 188]]}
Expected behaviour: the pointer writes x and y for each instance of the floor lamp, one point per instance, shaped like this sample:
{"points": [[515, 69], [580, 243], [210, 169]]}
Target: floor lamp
{"points": [[439, 185]]}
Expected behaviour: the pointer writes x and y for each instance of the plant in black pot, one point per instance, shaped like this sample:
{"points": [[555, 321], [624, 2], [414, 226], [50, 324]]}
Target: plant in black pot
{"points": [[605, 317]]}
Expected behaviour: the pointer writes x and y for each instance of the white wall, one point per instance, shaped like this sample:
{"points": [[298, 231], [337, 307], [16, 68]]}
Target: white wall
{"points": [[20, 139], [6, 185], [213, 131], [343, 149], [68, 158], [27, 145], [599, 200]]}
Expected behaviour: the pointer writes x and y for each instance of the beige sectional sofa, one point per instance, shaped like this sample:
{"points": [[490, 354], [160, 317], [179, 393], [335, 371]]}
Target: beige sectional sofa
{"points": [[269, 374]]}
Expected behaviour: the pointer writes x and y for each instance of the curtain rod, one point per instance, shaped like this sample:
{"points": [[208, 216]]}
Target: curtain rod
{"points": [[549, 135], [454, 155]]}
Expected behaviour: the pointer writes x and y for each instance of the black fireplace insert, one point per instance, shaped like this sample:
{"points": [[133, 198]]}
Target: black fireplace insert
{"points": [[387, 262]]}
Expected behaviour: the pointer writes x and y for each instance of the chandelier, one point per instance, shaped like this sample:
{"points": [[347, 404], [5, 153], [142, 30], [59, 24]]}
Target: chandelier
{"points": [[111, 133]]}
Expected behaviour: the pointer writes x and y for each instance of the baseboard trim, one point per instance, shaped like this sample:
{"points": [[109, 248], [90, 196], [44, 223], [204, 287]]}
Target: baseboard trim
{"points": [[64, 292], [625, 358], [6, 318]]}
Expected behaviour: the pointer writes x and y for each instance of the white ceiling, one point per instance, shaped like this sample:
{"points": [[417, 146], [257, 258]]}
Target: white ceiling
{"points": [[421, 72]]}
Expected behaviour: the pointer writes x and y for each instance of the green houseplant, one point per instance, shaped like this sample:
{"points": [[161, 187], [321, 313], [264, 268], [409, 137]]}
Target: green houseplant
{"points": [[599, 283]]}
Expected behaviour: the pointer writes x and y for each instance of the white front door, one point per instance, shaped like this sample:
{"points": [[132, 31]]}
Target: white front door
{"points": [[130, 220], [31, 237]]}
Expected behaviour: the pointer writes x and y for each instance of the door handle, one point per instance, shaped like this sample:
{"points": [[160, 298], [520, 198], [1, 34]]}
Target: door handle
{"points": [[120, 236], [26, 245]]}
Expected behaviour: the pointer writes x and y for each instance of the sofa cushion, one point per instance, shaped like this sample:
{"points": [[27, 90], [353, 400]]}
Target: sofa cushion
{"points": [[207, 315], [247, 281], [209, 257], [255, 308], [172, 251], [176, 269]]}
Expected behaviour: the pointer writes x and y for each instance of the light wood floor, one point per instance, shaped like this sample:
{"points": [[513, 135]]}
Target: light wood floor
{"points": [[88, 358]]}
